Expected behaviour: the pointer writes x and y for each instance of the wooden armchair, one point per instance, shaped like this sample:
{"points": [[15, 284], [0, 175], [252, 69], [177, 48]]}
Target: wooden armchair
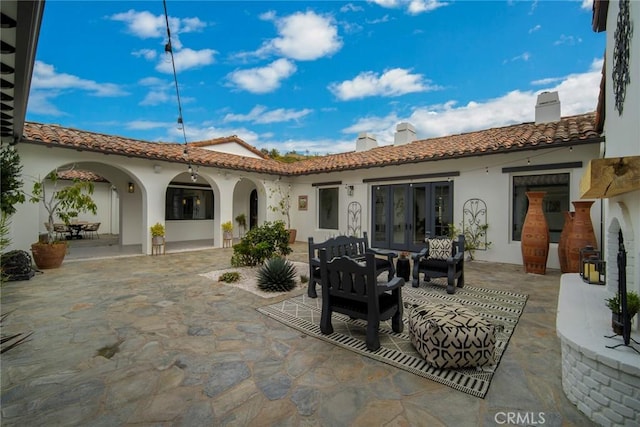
{"points": [[350, 287], [354, 247], [442, 257]]}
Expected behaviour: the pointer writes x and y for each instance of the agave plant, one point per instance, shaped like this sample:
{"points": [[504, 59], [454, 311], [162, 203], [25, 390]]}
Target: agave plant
{"points": [[277, 275]]}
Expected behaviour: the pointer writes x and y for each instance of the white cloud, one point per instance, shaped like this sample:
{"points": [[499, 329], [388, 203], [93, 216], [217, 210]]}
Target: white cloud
{"points": [[568, 40], [144, 125], [302, 36], [393, 82], [419, 6], [142, 24], [263, 79], [147, 54], [40, 103], [587, 4], [547, 81], [350, 7], [535, 28], [525, 56], [45, 77], [147, 25], [186, 59], [578, 94], [155, 97], [261, 115], [414, 7]]}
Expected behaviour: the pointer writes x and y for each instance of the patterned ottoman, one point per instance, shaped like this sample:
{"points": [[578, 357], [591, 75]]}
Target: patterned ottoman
{"points": [[451, 336]]}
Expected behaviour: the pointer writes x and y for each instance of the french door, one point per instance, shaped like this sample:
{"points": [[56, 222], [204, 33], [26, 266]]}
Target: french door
{"points": [[403, 214]]}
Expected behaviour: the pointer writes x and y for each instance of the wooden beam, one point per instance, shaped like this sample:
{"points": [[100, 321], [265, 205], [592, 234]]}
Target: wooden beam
{"points": [[610, 177]]}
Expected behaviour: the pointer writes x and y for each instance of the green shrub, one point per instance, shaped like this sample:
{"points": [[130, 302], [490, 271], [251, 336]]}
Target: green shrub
{"points": [[304, 278], [261, 243], [277, 275], [229, 277]]}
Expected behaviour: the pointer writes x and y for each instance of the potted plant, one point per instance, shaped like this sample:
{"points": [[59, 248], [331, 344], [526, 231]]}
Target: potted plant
{"points": [[227, 230], [242, 222], [65, 203], [157, 234], [283, 206], [615, 305]]}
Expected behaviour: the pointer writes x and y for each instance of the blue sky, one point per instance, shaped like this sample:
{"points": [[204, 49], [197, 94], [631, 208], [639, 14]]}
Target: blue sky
{"points": [[310, 76]]}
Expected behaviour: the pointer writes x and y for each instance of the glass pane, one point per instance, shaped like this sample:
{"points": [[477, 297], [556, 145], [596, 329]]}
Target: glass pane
{"points": [[419, 214], [399, 221], [379, 214], [328, 208], [442, 209]]}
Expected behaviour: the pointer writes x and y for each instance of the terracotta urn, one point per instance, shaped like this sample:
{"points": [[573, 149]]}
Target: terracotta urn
{"points": [[562, 243], [581, 234], [535, 235]]}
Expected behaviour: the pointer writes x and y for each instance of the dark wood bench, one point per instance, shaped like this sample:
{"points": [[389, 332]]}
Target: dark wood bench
{"points": [[449, 264], [351, 287], [353, 247]]}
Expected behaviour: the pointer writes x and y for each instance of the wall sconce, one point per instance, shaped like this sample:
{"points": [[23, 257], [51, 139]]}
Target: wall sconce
{"points": [[131, 187], [592, 268], [157, 168], [349, 189]]}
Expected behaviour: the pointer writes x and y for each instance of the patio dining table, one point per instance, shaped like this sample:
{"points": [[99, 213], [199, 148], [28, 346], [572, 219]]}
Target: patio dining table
{"points": [[74, 230]]}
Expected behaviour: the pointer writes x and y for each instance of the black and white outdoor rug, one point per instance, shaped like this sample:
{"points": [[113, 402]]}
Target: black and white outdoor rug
{"points": [[500, 307]]}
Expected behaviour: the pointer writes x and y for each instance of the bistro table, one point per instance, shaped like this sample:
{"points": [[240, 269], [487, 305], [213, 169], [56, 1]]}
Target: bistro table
{"points": [[74, 230]]}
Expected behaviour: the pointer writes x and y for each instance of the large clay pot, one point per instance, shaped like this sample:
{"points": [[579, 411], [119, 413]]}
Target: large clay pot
{"points": [[535, 235], [562, 243], [581, 234], [293, 233], [48, 255]]}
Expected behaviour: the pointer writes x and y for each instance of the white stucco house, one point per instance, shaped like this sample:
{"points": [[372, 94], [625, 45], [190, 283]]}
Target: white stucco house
{"points": [[398, 194]]}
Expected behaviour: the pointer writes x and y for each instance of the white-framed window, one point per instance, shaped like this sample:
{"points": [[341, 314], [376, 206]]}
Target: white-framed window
{"points": [[328, 208], [556, 201]]}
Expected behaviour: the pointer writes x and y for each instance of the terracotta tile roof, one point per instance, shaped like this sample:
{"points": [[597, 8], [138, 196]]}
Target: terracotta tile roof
{"points": [[57, 136], [82, 175], [573, 130]]}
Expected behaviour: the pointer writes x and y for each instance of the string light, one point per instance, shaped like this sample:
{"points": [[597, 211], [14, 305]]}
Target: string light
{"points": [[168, 48], [486, 169], [571, 148], [528, 161]]}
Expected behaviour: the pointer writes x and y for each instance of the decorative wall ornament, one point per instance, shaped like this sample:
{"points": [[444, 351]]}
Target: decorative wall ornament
{"points": [[354, 219], [474, 223], [621, 75]]}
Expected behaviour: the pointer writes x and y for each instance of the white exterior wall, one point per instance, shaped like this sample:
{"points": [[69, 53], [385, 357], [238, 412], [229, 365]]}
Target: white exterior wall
{"points": [[232, 148], [622, 135], [494, 188], [136, 211]]}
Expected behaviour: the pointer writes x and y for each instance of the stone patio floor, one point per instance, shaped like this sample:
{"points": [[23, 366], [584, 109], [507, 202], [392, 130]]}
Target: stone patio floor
{"points": [[192, 352]]}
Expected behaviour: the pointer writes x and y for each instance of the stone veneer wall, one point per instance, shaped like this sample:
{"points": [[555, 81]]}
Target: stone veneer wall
{"points": [[603, 390], [603, 383]]}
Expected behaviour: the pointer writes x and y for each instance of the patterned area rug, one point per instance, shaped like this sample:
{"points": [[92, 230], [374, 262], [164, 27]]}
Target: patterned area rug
{"points": [[500, 307]]}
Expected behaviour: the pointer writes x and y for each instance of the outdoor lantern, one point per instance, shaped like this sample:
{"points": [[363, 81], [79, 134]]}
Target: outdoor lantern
{"points": [[592, 267], [131, 187]]}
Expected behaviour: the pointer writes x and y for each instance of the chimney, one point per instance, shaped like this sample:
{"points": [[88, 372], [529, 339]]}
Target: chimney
{"points": [[548, 108], [365, 141], [405, 133]]}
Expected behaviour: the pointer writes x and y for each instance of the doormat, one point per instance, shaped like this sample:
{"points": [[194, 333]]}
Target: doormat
{"points": [[500, 307]]}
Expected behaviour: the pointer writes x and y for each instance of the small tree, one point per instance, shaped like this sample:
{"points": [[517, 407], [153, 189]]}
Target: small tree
{"points": [[65, 203], [11, 188], [283, 203]]}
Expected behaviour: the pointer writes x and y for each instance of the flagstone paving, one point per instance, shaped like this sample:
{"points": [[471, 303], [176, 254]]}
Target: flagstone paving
{"points": [[146, 340]]}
